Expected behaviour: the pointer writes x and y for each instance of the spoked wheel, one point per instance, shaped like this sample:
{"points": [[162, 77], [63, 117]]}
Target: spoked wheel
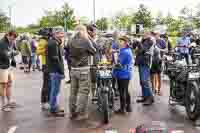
{"points": [[192, 101], [105, 108]]}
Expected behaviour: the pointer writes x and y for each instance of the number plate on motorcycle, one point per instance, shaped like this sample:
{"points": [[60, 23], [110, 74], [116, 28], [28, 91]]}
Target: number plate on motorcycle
{"points": [[194, 75]]}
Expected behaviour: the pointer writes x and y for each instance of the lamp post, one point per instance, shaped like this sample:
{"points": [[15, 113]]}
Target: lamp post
{"points": [[94, 11]]}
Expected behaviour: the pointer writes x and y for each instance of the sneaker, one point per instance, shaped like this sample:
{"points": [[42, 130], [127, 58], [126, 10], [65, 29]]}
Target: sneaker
{"points": [[12, 105], [120, 111], [57, 114], [5, 108], [68, 82], [81, 117], [45, 106], [149, 101]]}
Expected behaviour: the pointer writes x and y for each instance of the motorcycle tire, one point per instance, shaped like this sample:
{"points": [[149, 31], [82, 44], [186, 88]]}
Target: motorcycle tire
{"points": [[192, 97], [105, 108]]}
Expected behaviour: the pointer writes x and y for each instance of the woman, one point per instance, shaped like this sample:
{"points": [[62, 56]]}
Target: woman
{"points": [[26, 53], [123, 73], [156, 67], [6, 55]]}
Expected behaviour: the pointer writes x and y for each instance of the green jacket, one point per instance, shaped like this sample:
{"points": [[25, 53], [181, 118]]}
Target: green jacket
{"points": [[25, 48]]}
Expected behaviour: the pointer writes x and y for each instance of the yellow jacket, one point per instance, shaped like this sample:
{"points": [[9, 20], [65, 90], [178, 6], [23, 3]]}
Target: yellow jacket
{"points": [[41, 50]]}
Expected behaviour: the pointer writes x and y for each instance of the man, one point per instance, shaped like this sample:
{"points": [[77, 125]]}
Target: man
{"points": [[183, 46], [91, 29], [55, 68], [6, 53], [80, 48], [143, 60], [41, 51]]}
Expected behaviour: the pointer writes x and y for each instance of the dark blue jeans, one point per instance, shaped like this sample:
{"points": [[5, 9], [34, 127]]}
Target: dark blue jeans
{"points": [[55, 89], [144, 73]]}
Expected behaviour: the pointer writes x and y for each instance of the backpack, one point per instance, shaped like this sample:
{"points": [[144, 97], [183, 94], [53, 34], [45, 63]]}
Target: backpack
{"points": [[156, 57]]}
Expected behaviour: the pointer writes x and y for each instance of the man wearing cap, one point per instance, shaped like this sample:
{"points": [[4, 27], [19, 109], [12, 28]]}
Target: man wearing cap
{"points": [[6, 54], [56, 69], [95, 58]]}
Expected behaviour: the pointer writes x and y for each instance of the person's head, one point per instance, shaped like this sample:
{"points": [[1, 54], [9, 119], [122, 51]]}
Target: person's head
{"points": [[11, 36], [116, 35], [147, 35], [81, 31], [123, 41], [91, 29], [58, 32]]}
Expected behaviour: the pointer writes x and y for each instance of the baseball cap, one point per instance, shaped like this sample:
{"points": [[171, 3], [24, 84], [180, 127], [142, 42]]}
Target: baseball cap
{"points": [[58, 29]]}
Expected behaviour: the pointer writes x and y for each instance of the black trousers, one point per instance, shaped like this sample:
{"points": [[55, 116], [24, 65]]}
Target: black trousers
{"points": [[45, 93], [125, 99], [186, 56]]}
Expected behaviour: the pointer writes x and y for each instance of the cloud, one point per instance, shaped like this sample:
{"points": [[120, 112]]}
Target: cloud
{"points": [[29, 11]]}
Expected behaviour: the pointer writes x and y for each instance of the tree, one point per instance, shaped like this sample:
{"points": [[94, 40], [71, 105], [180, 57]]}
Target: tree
{"points": [[159, 20], [143, 16], [4, 22], [84, 20], [102, 24], [57, 17], [123, 21]]}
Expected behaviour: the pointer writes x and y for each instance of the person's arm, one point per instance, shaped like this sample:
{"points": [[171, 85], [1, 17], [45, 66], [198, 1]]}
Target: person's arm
{"points": [[90, 47]]}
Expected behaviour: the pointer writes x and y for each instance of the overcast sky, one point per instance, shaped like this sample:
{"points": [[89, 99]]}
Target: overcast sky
{"points": [[29, 11]]}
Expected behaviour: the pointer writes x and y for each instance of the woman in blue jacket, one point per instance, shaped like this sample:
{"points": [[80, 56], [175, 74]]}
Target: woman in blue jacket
{"points": [[123, 73]]}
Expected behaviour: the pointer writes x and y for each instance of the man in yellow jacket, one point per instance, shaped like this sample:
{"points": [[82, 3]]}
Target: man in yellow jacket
{"points": [[41, 51]]}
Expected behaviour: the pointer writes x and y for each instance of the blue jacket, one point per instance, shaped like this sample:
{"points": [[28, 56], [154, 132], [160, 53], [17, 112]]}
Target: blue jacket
{"points": [[126, 60]]}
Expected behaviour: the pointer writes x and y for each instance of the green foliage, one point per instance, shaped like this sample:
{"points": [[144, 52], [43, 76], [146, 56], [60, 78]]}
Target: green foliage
{"points": [[4, 22], [102, 24], [57, 17], [143, 16]]}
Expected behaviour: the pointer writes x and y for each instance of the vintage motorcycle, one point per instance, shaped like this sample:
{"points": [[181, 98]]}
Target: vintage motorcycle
{"points": [[184, 84]]}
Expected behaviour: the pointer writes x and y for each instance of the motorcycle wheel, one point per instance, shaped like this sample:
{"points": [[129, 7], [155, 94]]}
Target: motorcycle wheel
{"points": [[105, 108], [192, 101]]}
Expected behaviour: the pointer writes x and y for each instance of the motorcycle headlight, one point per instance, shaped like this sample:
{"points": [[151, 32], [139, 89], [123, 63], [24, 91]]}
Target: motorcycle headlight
{"points": [[194, 75]]}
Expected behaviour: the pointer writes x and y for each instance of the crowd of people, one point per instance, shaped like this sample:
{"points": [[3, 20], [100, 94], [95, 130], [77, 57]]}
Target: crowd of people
{"points": [[82, 53]]}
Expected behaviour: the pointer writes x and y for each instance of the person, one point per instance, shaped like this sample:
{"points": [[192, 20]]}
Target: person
{"points": [[168, 42], [143, 60], [33, 55], [183, 46], [6, 76], [55, 67], [115, 49], [66, 48], [123, 74], [25, 50], [91, 29], [80, 49], [42, 51], [156, 67]]}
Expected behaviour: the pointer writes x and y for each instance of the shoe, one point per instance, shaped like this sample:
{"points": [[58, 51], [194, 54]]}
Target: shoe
{"points": [[45, 106], [6, 108], [81, 117], [57, 114], [129, 109], [141, 100], [73, 116], [68, 82], [149, 101], [12, 105], [120, 111], [59, 109]]}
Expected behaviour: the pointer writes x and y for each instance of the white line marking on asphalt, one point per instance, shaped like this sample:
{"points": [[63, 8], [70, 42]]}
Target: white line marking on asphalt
{"points": [[12, 129]]}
